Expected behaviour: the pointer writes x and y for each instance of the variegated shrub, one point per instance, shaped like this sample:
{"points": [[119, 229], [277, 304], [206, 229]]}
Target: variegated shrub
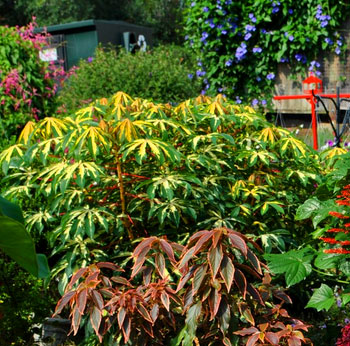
{"points": [[122, 169]]}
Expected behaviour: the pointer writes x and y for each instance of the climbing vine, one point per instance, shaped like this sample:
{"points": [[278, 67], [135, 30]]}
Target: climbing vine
{"points": [[241, 43]]}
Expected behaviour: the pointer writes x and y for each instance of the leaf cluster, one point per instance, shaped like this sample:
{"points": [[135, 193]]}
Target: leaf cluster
{"points": [[215, 295], [123, 168]]}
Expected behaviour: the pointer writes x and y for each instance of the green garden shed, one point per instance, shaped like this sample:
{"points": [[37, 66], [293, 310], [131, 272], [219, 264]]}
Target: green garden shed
{"points": [[78, 40]]}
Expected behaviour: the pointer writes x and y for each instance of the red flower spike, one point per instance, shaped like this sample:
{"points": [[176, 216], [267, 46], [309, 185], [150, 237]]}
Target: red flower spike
{"points": [[338, 215]]}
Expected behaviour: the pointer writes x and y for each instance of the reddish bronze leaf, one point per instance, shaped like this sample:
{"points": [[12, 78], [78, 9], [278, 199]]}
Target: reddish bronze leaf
{"points": [[246, 312], [238, 243], [165, 300], [216, 236], [198, 277], [196, 236], [121, 317], [241, 282], [121, 280], [168, 250], [155, 312], [294, 341], [202, 240], [254, 261], [81, 301], [247, 269], [282, 296], [76, 318], [97, 298], [185, 278], [160, 264], [126, 328], [76, 277], [247, 331], [109, 265], [272, 338], [140, 259], [92, 277], [214, 302], [95, 320], [224, 315], [252, 340], [144, 313], [215, 256], [186, 257], [64, 301], [227, 271], [147, 275], [145, 244], [188, 298], [254, 293]]}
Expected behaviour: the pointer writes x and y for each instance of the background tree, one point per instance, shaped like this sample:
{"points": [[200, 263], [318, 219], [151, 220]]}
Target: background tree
{"points": [[165, 16]]}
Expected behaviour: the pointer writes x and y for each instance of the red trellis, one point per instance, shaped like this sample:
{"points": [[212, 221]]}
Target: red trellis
{"points": [[311, 86]]}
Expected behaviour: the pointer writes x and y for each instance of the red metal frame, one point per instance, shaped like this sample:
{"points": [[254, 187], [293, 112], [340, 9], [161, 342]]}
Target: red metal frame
{"points": [[312, 100]]}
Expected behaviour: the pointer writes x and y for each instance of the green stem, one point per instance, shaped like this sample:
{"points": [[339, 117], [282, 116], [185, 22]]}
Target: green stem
{"points": [[333, 278]]}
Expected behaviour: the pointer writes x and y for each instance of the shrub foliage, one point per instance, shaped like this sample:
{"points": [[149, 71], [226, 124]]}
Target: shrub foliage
{"points": [[123, 168], [160, 74]]}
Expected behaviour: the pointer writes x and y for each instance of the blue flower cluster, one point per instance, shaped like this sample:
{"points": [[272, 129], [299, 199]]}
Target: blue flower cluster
{"points": [[241, 51], [323, 18], [275, 6], [314, 65], [339, 43]]}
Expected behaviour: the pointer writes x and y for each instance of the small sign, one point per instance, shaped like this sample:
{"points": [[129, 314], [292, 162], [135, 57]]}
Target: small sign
{"points": [[49, 54]]}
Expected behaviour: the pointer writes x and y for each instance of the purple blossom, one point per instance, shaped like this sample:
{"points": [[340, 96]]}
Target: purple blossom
{"points": [[264, 102], [330, 143], [241, 51], [275, 9], [238, 100], [300, 57], [284, 60], [328, 40], [290, 11], [255, 102], [324, 24], [190, 75], [270, 76], [247, 36], [228, 2], [347, 320], [250, 28], [205, 35], [200, 73], [220, 90], [258, 79], [337, 51], [90, 58], [205, 9], [339, 43], [252, 17], [199, 63], [193, 4], [290, 37], [339, 302], [257, 50], [228, 62], [223, 32], [263, 31]]}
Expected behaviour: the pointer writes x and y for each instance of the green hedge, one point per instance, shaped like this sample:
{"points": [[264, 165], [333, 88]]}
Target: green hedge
{"points": [[162, 75]]}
